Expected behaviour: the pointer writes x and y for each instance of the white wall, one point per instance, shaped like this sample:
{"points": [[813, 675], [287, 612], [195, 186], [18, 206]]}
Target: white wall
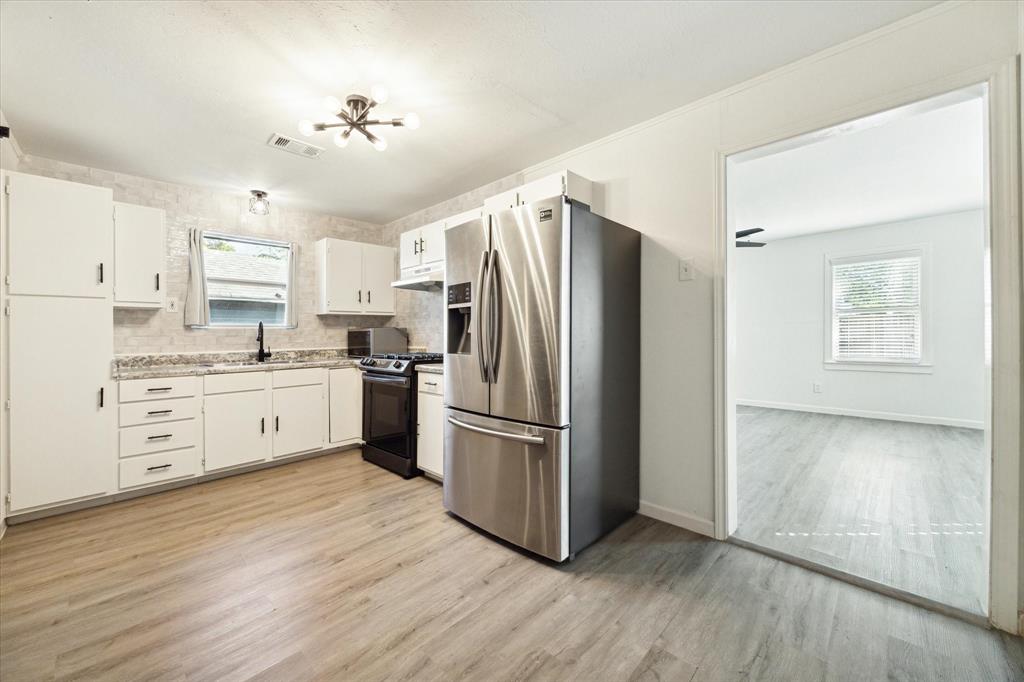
{"points": [[782, 318]]}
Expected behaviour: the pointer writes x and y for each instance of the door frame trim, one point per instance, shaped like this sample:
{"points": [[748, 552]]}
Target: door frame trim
{"points": [[1007, 262]]}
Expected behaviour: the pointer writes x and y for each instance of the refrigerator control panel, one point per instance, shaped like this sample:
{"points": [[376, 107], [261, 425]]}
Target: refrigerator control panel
{"points": [[459, 293]]}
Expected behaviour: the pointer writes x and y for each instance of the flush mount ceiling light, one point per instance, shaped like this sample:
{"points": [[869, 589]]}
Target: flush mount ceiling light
{"points": [[259, 204], [356, 117]]}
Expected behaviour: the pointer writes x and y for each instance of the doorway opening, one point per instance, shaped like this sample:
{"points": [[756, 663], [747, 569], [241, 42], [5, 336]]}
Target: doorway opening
{"points": [[859, 312]]}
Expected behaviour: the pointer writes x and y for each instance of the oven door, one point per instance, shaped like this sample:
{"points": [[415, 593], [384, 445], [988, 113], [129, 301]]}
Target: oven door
{"points": [[386, 413]]}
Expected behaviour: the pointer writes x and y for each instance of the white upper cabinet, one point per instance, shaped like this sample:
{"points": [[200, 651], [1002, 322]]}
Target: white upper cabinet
{"points": [[432, 243], [60, 239], [354, 278], [499, 202], [422, 246], [565, 183], [139, 245]]}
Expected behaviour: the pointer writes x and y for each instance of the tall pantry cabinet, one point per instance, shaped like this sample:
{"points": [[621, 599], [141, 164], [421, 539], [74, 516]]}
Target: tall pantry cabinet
{"points": [[61, 400]]}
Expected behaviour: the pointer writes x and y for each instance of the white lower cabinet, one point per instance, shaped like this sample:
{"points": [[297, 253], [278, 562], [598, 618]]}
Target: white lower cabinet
{"points": [[236, 429], [346, 391], [298, 419], [158, 468], [430, 425]]}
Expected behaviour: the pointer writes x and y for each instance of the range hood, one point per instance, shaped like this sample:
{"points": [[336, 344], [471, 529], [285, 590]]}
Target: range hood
{"points": [[425, 278]]}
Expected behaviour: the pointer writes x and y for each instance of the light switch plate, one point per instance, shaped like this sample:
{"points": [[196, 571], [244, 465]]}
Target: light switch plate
{"points": [[171, 305], [686, 273]]}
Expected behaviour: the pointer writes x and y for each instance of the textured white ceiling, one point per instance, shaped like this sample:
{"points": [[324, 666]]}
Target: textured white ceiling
{"points": [[912, 165], [189, 92]]}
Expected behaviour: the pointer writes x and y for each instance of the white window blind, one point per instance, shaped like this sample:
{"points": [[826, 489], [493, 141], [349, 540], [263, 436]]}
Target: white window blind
{"points": [[876, 309]]}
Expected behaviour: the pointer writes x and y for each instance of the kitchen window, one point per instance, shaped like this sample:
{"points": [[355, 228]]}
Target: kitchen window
{"points": [[248, 280], [876, 311]]}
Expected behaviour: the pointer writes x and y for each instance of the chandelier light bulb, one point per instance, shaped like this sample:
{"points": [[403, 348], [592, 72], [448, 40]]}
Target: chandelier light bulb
{"points": [[341, 139], [379, 94], [411, 121], [380, 144], [306, 128], [332, 105]]}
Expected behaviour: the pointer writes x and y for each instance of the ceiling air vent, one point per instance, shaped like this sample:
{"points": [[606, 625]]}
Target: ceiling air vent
{"points": [[288, 144]]}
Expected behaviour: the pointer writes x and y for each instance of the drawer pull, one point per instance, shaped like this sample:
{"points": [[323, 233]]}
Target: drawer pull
{"points": [[160, 411], [159, 467], [430, 383], [159, 389], [161, 436]]}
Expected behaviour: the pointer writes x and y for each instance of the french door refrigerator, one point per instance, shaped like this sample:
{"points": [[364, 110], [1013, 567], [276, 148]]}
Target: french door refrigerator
{"points": [[542, 375]]}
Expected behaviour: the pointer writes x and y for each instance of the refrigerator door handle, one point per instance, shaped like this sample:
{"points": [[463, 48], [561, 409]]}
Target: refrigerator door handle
{"points": [[481, 306], [494, 302], [518, 437]]}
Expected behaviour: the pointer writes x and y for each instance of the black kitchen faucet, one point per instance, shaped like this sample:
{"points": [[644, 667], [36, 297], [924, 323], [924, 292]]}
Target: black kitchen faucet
{"points": [[261, 354]]}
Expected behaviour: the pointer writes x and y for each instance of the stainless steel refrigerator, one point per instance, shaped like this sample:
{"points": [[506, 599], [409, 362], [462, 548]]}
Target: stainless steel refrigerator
{"points": [[542, 375]]}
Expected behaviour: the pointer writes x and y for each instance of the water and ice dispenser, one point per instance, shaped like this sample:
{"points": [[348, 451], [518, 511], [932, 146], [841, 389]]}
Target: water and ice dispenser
{"points": [[460, 322]]}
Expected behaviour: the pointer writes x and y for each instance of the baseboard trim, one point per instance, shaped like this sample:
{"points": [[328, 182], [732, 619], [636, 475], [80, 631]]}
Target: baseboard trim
{"points": [[677, 518], [866, 414]]}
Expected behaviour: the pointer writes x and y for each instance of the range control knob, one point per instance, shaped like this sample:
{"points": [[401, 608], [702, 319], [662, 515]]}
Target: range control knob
{"points": [[398, 364]]}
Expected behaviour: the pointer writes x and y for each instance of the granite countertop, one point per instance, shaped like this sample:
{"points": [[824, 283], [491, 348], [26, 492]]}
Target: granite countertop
{"points": [[162, 365], [432, 368]]}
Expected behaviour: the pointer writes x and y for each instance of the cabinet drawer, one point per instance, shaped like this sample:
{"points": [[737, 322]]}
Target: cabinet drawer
{"points": [[151, 412], [140, 440], [430, 383], [234, 383], [164, 466], [300, 377], [134, 390]]}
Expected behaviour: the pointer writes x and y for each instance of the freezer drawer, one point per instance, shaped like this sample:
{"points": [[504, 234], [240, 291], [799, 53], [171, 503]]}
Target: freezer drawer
{"points": [[509, 479]]}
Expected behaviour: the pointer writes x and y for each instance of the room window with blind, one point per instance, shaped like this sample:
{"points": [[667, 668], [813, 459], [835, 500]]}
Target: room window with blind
{"points": [[876, 310]]}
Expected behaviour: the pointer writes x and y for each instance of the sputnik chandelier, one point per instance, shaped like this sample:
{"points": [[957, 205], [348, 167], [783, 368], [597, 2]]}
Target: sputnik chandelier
{"points": [[356, 117]]}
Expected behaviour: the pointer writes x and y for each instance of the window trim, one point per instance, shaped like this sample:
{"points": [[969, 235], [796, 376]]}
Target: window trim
{"points": [[923, 365], [291, 298]]}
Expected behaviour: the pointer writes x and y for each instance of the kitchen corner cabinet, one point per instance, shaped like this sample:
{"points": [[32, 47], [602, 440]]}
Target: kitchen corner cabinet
{"points": [[346, 405], [354, 278], [139, 256], [59, 237], [430, 424]]}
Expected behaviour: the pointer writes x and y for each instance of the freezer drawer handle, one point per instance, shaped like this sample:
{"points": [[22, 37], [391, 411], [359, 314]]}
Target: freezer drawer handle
{"points": [[518, 437]]}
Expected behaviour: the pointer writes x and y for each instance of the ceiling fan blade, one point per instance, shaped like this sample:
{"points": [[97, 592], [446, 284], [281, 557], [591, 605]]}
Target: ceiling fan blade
{"points": [[749, 244], [749, 231]]}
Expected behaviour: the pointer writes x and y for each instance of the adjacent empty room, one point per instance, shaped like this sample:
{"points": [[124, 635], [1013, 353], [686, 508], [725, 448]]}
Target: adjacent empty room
{"points": [[862, 349]]}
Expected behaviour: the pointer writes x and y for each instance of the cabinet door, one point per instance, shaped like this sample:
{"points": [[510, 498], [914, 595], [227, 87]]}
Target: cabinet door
{"points": [[500, 202], [430, 433], [346, 396], [432, 244], [378, 274], [298, 419], [343, 272], [139, 280], [237, 429], [409, 249], [61, 241], [62, 437], [542, 188]]}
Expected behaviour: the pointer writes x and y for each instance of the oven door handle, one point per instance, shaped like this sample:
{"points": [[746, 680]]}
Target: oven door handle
{"points": [[397, 381], [518, 437]]}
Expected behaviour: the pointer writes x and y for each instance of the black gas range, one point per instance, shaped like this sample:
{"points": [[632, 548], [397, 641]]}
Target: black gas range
{"points": [[389, 410]]}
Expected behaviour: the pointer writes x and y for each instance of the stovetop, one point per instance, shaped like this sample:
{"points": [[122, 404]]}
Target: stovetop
{"points": [[397, 363]]}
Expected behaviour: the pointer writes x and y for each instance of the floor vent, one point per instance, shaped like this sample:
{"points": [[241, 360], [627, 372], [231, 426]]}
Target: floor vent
{"points": [[289, 144]]}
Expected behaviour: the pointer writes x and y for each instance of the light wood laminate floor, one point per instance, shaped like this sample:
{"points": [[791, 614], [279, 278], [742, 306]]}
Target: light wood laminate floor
{"points": [[332, 568], [898, 503]]}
